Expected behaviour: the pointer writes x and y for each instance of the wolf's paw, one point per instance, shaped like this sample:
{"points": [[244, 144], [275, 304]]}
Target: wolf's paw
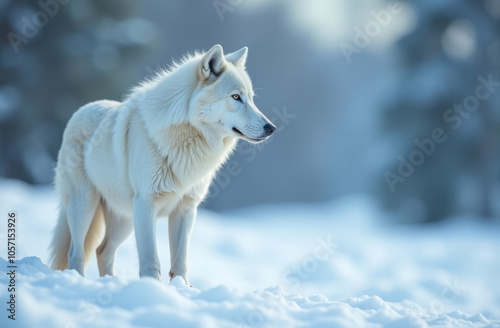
{"points": [[184, 280], [180, 283], [154, 273]]}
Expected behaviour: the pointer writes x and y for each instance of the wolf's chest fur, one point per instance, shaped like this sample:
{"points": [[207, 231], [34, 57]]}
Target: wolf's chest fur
{"points": [[188, 157]]}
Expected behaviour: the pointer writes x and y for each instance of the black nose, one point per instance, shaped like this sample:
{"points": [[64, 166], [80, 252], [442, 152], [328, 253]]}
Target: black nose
{"points": [[269, 129]]}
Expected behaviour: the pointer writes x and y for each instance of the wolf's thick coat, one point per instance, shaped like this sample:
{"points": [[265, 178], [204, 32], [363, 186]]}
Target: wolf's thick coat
{"points": [[126, 163]]}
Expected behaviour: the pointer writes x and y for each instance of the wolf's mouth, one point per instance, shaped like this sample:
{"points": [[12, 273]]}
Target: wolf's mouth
{"points": [[255, 140], [238, 132]]}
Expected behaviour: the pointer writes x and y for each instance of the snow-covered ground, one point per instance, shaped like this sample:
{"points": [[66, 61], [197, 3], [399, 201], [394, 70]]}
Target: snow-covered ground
{"points": [[338, 264]]}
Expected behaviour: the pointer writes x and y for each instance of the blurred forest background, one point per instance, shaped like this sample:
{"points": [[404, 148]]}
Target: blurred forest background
{"points": [[353, 86]]}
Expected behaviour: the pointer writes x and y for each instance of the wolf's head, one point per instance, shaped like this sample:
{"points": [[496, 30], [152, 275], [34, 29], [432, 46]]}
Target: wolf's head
{"points": [[223, 99]]}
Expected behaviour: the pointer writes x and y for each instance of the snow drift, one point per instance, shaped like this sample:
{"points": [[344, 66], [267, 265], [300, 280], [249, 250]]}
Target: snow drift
{"points": [[339, 264]]}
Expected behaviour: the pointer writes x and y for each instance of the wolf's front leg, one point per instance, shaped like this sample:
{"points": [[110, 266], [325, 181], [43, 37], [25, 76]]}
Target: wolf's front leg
{"points": [[145, 236], [180, 225]]}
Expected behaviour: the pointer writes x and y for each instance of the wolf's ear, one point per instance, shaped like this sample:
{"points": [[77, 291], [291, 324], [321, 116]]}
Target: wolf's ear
{"points": [[239, 58], [213, 62]]}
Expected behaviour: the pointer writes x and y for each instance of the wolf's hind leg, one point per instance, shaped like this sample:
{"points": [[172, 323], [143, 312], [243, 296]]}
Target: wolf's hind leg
{"points": [[117, 230], [82, 207]]}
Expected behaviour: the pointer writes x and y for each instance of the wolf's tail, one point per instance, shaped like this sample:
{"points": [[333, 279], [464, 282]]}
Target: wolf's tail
{"points": [[62, 239]]}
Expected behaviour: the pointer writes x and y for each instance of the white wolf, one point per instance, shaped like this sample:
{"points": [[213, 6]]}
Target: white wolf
{"points": [[155, 154]]}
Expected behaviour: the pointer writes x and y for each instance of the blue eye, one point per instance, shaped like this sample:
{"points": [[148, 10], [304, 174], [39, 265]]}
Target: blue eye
{"points": [[236, 97]]}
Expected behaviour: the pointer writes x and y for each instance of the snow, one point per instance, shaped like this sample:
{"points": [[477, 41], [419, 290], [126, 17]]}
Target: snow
{"points": [[337, 264]]}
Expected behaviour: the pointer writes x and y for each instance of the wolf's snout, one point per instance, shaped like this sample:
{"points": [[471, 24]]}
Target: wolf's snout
{"points": [[269, 129]]}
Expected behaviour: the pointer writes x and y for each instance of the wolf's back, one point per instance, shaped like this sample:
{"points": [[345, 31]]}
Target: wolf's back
{"points": [[81, 127]]}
